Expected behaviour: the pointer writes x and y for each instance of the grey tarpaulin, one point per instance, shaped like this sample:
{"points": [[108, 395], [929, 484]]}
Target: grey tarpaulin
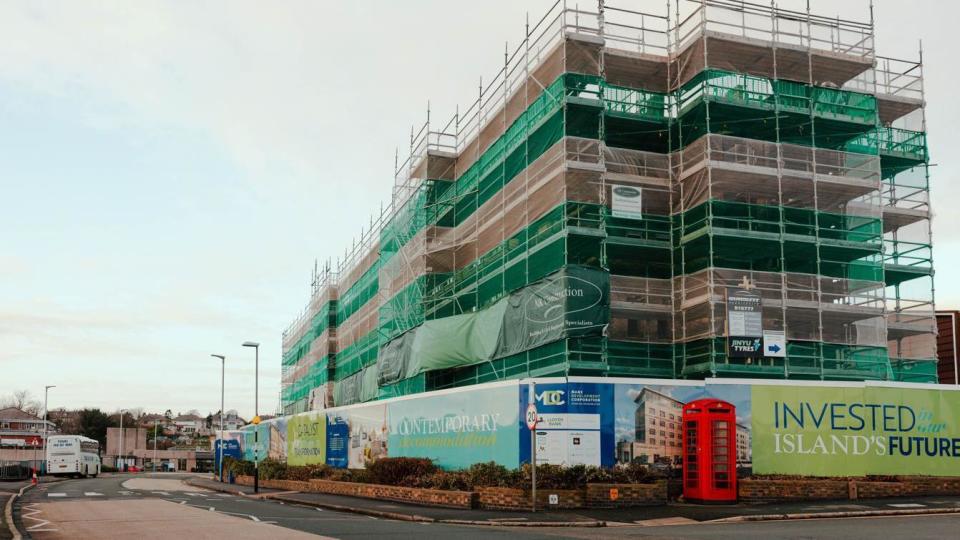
{"points": [[571, 302]]}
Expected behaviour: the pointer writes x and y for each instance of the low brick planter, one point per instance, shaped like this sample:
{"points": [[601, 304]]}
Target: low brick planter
{"points": [[906, 487], [759, 490], [623, 495], [519, 499], [429, 497], [243, 480]]}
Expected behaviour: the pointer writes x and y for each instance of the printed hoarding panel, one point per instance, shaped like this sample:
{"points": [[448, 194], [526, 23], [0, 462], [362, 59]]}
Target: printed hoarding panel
{"points": [[365, 430], [307, 439], [648, 426], [855, 431], [576, 424], [458, 429]]}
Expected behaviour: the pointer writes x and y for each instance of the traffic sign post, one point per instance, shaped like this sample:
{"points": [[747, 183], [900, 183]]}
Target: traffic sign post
{"points": [[533, 418]]}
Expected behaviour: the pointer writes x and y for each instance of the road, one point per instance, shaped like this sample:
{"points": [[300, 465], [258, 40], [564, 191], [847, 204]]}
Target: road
{"points": [[145, 507]]}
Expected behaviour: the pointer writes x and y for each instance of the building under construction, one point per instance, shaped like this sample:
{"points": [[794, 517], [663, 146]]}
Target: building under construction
{"points": [[716, 189]]}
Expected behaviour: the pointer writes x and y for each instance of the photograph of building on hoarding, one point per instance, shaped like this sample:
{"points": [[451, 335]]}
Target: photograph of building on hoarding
{"points": [[367, 439], [277, 448], [648, 423]]}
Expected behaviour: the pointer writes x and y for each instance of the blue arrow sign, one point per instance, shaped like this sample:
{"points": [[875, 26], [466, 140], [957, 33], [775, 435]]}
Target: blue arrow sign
{"points": [[774, 348]]}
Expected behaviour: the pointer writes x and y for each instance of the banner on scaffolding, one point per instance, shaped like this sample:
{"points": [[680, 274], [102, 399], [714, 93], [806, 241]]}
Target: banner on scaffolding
{"points": [[627, 202]]}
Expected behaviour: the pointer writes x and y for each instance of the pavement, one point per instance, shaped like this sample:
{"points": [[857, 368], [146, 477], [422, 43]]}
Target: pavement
{"points": [[671, 514]]}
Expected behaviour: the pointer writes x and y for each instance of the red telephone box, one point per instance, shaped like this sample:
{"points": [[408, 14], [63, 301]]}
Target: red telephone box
{"points": [[710, 451]]}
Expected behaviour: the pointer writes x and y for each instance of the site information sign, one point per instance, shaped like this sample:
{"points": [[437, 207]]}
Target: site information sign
{"points": [[744, 323], [627, 202]]}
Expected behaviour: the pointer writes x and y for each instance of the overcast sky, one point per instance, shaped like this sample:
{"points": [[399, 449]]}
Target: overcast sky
{"points": [[170, 171]]}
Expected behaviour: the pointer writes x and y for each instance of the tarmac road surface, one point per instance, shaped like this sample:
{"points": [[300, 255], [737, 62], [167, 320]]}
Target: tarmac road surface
{"points": [[147, 506]]}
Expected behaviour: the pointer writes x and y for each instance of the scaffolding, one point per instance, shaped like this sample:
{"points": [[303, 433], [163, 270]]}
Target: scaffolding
{"points": [[772, 148]]}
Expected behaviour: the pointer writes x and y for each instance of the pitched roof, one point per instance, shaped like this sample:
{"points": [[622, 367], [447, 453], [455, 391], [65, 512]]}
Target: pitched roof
{"points": [[13, 413], [187, 418]]}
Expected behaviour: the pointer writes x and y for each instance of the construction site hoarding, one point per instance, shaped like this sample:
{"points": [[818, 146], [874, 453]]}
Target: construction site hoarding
{"points": [[797, 428]]}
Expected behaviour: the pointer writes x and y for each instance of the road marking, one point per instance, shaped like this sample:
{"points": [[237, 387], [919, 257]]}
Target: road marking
{"points": [[373, 518], [164, 493], [56, 494], [255, 518], [319, 509], [125, 492], [188, 494], [908, 505], [212, 509], [92, 494], [33, 510]]}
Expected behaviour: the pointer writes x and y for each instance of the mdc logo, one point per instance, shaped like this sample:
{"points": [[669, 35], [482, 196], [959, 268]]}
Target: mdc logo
{"points": [[551, 397]]}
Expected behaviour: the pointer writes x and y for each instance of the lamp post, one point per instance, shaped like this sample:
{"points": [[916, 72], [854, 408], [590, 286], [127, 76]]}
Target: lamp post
{"points": [[121, 464], [256, 414], [46, 391], [223, 367], [156, 424]]}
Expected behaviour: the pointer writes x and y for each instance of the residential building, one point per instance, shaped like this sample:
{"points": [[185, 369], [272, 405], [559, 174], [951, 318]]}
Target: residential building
{"points": [[138, 453], [706, 189], [948, 365], [658, 427], [20, 428]]}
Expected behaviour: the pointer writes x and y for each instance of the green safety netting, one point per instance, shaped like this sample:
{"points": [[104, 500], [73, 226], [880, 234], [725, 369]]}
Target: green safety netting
{"points": [[357, 355], [922, 370], [575, 356], [358, 294], [813, 360], [778, 239], [434, 307]]}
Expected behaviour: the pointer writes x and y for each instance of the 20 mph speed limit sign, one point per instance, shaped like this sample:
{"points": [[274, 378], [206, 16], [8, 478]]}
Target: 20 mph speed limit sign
{"points": [[532, 416]]}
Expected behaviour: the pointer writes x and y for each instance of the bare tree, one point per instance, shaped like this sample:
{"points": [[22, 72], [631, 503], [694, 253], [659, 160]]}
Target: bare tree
{"points": [[23, 400]]}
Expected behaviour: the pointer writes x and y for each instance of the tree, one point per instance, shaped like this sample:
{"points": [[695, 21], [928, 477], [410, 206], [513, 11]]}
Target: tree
{"points": [[23, 400], [94, 424]]}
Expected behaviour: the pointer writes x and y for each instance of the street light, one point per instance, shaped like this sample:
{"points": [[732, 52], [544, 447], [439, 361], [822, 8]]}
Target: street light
{"points": [[256, 414], [121, 464], [223, 367], [156, 424], [46, 391]]}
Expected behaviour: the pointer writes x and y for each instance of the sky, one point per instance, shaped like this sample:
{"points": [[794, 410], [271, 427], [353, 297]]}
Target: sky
{"points": [[169, 172]]}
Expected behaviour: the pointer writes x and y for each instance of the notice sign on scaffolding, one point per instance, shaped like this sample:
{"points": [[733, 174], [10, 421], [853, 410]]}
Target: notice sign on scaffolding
{"points": [[626, 202], [744, 323]]}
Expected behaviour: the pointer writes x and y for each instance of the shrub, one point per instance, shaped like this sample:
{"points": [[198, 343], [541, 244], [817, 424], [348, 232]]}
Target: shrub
{"points": [[271, 469], [397, 471], [490, 474], [238, 467], [306, 472], [453, 481]]}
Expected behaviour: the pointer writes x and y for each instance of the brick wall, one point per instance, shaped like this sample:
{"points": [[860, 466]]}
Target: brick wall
{"points": [[909, 487], [243, 480], [603, 495], [430, 497], [517, 499], [756, 490], [598, 495]]}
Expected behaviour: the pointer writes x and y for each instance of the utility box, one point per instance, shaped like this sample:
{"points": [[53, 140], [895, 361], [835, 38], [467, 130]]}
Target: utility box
{"points": [[709, 451]]}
